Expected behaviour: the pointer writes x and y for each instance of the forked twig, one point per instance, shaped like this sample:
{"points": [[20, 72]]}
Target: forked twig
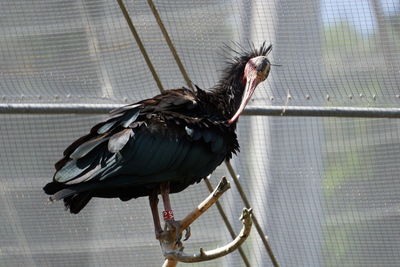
{"points": [[168, 240], [173, 249], [218, 252]]}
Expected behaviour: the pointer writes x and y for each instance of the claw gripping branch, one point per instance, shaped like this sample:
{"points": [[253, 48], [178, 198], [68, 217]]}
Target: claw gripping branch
{"points": [[172, 246]]}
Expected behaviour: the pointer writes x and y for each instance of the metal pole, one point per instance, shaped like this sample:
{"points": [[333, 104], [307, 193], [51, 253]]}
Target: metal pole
{"points": [[67, 108], [307, 111], [59, 108]]}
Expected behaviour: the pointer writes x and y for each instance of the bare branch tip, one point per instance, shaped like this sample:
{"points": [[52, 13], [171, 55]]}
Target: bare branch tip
{"points": [[223, 185], [202, 252], [246, 214]]}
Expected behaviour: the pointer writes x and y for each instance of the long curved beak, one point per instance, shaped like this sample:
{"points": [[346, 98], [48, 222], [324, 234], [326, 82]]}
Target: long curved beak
{"points": [[251, 85]]}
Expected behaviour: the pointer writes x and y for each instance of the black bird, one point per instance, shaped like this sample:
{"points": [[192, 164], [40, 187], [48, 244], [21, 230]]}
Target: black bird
{"points": [[160, 145]]}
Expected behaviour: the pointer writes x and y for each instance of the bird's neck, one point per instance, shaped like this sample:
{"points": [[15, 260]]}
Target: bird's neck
{"points": [[227, 96]]}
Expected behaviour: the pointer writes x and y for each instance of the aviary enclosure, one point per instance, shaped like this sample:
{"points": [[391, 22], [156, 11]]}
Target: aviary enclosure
{"points": [[320, 140]]}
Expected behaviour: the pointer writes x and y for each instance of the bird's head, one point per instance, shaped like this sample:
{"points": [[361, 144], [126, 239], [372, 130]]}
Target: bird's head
{"points": [[256, 70], [244, 73]]}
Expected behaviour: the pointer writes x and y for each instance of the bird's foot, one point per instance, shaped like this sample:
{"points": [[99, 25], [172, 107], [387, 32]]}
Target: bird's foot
{"points": [[188, 233], [175, 227], [170, 238], [158, 233], [178, 226]]}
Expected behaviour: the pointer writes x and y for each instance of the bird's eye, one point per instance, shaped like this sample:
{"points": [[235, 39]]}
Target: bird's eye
{"points": [[263, 64]]}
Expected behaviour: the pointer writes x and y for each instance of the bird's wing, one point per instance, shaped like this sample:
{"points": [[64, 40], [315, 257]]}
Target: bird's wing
{"points": [[91, 154], [149, 137]]}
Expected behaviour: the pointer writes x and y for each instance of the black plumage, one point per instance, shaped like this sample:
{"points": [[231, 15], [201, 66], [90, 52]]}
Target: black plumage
{"points": [[177, 137]]}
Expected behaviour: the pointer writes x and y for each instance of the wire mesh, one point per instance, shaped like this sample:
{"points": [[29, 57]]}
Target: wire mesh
{"points": [[324, 189]]}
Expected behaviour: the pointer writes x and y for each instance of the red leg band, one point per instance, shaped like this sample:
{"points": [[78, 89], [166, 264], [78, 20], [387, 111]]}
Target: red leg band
{"points": [[168, 215]]}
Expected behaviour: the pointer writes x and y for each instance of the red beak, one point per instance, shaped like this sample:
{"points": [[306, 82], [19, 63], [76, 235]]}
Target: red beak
{"points": [[251, 85]]}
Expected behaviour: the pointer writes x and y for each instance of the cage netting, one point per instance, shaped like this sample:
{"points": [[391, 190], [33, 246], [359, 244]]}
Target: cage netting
{"points": [[326, 190]]}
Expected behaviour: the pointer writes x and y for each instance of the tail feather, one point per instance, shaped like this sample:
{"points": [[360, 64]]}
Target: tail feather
{"points": [[75, 197], [53, 187], [77, 202]]}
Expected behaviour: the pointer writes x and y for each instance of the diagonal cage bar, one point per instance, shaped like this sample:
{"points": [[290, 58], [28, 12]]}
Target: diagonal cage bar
{"points": [[246, 202], [170, 43], [140, 45], [227, 223]]}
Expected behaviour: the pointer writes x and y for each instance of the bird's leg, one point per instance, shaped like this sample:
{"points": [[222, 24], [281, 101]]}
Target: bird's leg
{"points": [[153, 198], [168, 213]]}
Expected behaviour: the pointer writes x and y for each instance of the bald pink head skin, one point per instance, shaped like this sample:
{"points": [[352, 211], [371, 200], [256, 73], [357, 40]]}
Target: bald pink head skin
{"points": [[255, 71]]}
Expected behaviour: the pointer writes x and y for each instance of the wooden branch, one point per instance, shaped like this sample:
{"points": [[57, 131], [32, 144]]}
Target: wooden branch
{"points": [[170, 263], [221, 188], [170, 238], [218, 252]]}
